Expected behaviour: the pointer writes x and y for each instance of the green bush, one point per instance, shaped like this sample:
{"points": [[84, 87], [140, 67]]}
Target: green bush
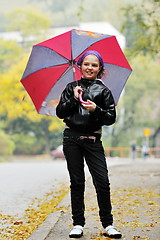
{"points": [[27, 145], [7, 146]]}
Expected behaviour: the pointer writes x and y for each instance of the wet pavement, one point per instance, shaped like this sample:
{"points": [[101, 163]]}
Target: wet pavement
{"points": [[23, 180], [135, 195]]}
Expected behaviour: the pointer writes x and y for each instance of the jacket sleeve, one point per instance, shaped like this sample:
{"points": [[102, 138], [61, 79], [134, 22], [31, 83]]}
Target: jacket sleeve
{"points": [[106, 113], [67, 104]]}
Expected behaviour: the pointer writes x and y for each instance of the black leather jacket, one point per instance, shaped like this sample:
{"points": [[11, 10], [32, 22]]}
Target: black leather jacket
{"points": [[77, 117]]}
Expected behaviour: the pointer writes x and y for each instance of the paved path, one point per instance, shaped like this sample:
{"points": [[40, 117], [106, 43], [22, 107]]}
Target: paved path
{"points": [[136, 202], [22, 181]]}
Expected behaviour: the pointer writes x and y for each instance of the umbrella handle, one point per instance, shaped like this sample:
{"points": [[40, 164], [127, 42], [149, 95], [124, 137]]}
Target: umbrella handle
{"points": [[81, 100]]}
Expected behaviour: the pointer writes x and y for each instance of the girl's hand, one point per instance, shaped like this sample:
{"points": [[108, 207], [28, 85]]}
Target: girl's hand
{"points": [[90, 107], [77, 90]]}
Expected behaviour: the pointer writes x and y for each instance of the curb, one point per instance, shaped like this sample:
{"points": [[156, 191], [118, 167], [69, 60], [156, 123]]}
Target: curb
{"points": [[44, 229]]}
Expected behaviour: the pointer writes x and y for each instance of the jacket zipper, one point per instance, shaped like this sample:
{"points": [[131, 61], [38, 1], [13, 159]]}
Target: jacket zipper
{"points": [[87, 90]]}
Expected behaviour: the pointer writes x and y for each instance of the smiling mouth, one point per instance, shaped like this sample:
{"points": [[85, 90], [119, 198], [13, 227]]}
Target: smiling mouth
{"points": [[89, 73]]}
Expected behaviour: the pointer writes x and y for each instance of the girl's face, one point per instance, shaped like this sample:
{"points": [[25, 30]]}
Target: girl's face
{"points": [[90, 67]]}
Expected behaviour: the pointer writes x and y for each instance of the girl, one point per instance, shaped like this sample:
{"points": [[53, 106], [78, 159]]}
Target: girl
{"points": [[82, 139]]}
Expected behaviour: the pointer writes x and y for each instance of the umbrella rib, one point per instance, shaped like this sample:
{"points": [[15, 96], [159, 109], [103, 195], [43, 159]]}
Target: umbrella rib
{"points": [[47, 47], [85, 50], [65, 72]]}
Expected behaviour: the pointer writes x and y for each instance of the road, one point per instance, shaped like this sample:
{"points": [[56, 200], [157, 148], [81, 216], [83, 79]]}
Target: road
{"points": [[22, 181]]}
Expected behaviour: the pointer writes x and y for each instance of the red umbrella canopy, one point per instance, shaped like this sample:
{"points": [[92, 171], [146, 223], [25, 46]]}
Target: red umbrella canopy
{"points": [[52, 65]]}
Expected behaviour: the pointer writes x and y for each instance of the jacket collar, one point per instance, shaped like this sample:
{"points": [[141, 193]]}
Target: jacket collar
{"points": [[90, 81]]}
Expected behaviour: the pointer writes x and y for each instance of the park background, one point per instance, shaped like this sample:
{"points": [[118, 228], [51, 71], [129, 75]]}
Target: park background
{"points": [[22, 130]]}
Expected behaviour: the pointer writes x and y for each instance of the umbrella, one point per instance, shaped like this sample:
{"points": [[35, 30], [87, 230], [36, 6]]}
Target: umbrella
{"points": [[52, 64]]}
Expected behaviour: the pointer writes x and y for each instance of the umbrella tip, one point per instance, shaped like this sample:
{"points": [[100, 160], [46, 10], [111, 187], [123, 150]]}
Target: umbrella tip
{"points": [[72, 62]]}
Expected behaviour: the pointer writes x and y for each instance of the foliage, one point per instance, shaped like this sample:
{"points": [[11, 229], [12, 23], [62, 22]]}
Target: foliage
{"points": [[20, 116], [30, 22], [6, 145], [144, 83], [34, 137], [139, 107], [3, 22], [141, 27], [75, 12], [9, 53], [11, 101], [16, 228], [16, 105], [26, 144]]}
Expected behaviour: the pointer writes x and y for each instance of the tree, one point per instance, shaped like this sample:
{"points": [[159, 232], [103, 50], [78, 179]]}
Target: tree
{"points": [[16, 105], [70, 12], [6, 146], [141, 27], [9, 53], [30, 22], [139, 106], [3, 22]]}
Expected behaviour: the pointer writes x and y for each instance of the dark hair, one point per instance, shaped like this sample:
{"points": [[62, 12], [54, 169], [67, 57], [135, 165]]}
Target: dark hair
{"points": [[101, 72]]}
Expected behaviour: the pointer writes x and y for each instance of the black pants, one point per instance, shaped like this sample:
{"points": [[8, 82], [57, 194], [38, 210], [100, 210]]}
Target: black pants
{"points": [[76, 150]]}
